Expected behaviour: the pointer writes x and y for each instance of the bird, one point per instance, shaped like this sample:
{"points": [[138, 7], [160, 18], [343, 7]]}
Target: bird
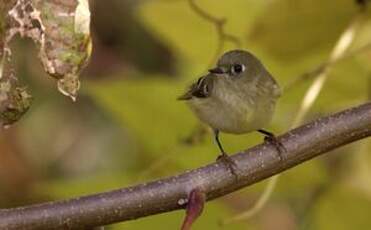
{"points": [[237, 96]]}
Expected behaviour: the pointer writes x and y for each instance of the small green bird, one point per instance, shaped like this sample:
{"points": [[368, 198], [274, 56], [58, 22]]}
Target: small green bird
{"points": [[237, 96]]}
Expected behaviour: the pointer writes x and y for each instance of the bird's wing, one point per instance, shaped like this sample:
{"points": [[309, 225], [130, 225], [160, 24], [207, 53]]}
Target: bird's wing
{"points": [[201, 89]]}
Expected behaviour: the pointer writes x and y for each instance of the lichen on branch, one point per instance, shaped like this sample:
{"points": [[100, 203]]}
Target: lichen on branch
{"points": [[14, 99], [61, 31]]}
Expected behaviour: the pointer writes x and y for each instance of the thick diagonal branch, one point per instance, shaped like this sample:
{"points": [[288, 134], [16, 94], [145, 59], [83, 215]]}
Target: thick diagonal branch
{"points": [[255, 164]]}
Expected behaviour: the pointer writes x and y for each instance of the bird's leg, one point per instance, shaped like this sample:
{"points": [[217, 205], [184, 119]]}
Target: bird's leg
{"points": [[271, 138], [224, 156], [216, 135]]}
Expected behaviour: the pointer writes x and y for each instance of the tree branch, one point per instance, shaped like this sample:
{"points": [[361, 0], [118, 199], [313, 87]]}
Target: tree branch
{"points": [[255, 164]]}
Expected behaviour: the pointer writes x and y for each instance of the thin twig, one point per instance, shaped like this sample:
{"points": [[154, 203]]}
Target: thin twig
{"points": [[222, 35], [215, 180]]}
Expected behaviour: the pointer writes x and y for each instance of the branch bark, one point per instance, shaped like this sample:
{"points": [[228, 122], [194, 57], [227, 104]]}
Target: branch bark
{"points": [[255, 164]]}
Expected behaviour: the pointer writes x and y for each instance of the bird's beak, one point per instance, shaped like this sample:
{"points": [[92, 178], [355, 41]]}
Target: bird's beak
{"points": [[217, 70]]}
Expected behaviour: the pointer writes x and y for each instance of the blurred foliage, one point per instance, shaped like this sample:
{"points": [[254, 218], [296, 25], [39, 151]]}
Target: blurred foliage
{"points": [[128, 126], [215, 211], [276, 29], [351, 212]]}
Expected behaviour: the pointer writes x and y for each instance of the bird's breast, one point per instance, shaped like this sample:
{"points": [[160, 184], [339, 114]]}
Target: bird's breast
{"points": [[231, 112]]}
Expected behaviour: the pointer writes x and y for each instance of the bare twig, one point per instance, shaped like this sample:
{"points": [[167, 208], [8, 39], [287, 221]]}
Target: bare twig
{"points": [[219, 25], [255, 164]]}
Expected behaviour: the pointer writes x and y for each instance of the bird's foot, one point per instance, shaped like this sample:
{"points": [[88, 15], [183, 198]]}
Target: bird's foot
{"points": [[272, 139], [229, 163]]}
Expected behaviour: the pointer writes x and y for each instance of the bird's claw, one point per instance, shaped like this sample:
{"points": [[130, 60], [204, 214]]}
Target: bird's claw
{"points": [[272, 139], [228, 161]]}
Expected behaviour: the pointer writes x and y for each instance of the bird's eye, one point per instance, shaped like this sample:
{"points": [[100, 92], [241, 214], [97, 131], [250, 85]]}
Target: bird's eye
{"points": [[237, 68]]}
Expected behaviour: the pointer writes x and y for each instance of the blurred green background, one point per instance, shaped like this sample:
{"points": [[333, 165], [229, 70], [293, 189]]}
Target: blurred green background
{"points": [[127, 127]]}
